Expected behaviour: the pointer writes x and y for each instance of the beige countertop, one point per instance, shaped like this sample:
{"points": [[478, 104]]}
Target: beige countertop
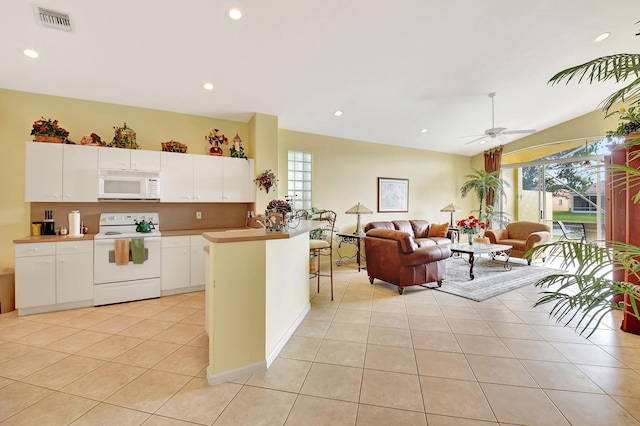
{"points": [[251, 234], [89, 237], [53, 238], [218, 235]]}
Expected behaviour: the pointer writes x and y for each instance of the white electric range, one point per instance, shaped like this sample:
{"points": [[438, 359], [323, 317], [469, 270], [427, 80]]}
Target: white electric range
{"points": [[115, 283]]}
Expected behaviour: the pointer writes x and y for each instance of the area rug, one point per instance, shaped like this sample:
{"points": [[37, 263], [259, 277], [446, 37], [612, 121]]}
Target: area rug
{"points": [[491, 279]]}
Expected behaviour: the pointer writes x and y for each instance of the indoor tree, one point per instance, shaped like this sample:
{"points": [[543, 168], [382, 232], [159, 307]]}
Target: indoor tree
{"points": [[482, 183]]}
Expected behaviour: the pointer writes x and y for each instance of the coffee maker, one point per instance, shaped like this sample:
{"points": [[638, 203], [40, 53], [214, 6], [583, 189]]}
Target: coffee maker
{"points": [[48, 224]]}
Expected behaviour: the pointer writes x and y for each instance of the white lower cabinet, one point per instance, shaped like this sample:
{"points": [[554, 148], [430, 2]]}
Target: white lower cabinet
{"points": [[175, 262], [35, 275], [197, 261], [49, 274], [74, 271], [183, 263]]}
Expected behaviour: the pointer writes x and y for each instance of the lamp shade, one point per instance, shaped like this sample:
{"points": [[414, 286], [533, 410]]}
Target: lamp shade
{"points": [[358, 209], [451, 208]]}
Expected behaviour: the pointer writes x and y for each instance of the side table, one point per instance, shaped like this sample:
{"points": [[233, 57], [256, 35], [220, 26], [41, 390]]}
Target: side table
{"points": [[355, 239]]}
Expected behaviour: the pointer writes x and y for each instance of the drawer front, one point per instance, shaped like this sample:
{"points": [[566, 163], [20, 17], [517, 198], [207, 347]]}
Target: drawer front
{"points": [[182, 241], [35, 249], [74, 247]]}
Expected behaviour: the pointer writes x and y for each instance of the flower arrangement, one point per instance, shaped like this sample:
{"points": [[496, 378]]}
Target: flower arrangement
{"points": [[280, 206], [266, 180], [629, 120], [470, 225], [48, 127], [216, 140]]}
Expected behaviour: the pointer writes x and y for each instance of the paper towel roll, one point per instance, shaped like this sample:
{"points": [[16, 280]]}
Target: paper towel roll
{"points": [[74, 223]]}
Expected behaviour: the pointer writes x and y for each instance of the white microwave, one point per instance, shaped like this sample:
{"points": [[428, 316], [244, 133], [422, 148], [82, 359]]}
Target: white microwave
{"points": [[128, 185]]}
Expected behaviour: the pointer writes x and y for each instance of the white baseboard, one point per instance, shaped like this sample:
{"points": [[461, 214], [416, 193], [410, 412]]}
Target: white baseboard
{"points": [[53, 308], [181, 290], [276, 351], [236, 373]]}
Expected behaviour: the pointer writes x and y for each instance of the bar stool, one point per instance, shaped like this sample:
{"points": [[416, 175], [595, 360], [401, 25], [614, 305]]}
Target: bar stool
{"points": [[322, 244]]}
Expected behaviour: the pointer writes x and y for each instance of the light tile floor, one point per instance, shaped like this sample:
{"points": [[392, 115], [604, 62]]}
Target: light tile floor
{"points": [[370, 357]]}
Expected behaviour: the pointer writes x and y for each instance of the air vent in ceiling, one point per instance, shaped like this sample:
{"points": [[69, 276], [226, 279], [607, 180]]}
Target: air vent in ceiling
{"points": [[53, 19]]}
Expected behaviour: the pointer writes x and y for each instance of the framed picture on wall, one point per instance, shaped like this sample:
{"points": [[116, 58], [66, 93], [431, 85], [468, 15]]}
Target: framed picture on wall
{"points": [[393, 195]]}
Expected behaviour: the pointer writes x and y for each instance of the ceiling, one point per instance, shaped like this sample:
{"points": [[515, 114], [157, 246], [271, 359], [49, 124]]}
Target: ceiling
{"points": [[394, 68]]}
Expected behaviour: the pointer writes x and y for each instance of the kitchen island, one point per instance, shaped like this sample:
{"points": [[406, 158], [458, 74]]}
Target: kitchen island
{"points": [[257, 295]]}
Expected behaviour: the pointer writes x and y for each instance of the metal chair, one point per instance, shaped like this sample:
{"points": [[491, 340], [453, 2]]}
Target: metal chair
{"points": [[574, 232], [321, 243]]}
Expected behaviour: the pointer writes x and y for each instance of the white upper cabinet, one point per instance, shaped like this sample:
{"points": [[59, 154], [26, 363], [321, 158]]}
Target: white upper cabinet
{"points": [[65, 172], [237, 180], [176, 177], [145, 160], [43, 177], [128, 159], [80, 173], [207, 178]]}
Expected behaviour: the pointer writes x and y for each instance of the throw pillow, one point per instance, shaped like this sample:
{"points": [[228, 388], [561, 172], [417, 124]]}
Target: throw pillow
{"points": [[436, 230]]}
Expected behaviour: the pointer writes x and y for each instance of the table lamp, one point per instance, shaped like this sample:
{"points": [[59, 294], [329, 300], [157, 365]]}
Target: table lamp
{"points": [[451, 208], [358, 209]]}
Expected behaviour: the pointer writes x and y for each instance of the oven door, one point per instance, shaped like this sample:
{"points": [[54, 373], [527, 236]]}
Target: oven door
{"points": [[106, 270]]}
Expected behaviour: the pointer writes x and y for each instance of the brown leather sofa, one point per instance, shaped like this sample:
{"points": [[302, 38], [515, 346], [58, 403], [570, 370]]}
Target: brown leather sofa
{"points": [[419, 230], [393, 256], [522, 236]]}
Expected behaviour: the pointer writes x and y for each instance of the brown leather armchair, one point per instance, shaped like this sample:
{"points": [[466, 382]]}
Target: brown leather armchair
{"points": [[522, 236], [394, 256]]}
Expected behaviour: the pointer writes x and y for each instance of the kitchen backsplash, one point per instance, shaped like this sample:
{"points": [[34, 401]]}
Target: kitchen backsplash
{"points": [[173, 216]]}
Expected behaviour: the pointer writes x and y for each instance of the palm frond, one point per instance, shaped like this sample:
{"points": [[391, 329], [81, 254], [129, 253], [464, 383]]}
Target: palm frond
{"points": [[584, 296], [616, 67]]}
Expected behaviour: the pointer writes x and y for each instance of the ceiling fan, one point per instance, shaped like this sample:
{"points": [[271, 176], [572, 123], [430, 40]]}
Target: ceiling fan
{"points": [[497, 131]]}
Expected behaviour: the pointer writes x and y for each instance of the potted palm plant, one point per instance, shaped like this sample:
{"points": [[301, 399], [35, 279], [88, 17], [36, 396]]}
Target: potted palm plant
{"points": [[583, 297], [482, 183]]}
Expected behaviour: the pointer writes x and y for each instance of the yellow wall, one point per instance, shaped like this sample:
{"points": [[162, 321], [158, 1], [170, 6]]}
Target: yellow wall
{"points": [[18, 110], [345, 173]]}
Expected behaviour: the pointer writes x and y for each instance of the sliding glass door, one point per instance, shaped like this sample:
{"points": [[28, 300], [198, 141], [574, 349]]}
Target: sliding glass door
{"points": [[570, 190]]}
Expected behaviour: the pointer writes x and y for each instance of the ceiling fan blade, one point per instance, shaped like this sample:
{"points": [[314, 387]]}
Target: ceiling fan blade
{"points": [[472, 136], [516, 132], [476, 140]]}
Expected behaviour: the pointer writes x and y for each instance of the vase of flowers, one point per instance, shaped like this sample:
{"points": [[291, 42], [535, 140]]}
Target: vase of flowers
{"points": [[279, 206], [48, 130], [470, 227], [216, 140]]}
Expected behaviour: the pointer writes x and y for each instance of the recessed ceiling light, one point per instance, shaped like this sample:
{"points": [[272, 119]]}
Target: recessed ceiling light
{"points": [[601, 37], [424, 130], [337, 113], [482, 142], [207, 86], [234, 13], [31, 53]]}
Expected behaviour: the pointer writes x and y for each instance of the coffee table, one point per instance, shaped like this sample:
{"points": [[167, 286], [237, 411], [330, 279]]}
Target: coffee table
{"points": [[493, 250]]}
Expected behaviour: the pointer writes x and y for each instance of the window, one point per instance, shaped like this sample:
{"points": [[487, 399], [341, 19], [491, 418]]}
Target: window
{"points": [[299, 179]]}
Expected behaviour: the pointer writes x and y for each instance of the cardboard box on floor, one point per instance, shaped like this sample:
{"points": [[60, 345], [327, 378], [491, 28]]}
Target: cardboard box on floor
{"points": [[7, 291]]}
